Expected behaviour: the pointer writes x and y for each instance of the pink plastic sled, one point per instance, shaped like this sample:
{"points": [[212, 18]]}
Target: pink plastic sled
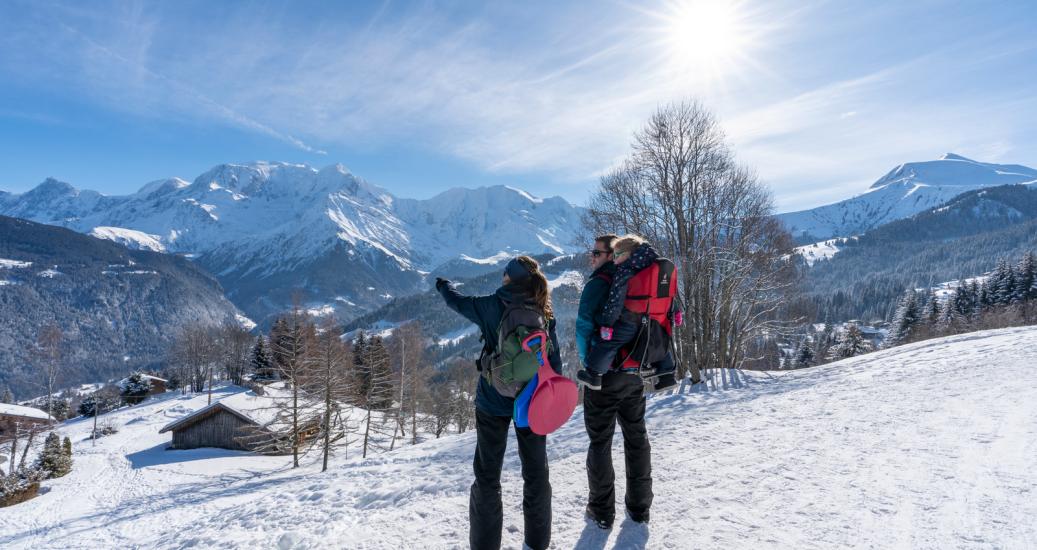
{"points": [[555, 397]]}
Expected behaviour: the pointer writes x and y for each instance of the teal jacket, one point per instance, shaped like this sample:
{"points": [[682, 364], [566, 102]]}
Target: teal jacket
{"points": [[592, 301]]}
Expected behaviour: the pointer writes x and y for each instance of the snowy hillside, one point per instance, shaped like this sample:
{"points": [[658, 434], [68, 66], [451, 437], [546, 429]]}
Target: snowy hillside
{"points": [[906, 190], [118, 308], [270, 230], [929, 445]]}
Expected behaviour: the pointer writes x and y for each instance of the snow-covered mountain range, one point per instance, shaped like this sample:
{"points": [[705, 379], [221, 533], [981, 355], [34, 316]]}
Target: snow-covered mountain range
{"points": [[274, 232], [905, 191]]}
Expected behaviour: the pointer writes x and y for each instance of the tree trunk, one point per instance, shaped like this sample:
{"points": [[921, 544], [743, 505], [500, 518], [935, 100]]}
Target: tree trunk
{"points": [[28, 445], [327, 427], [295, 425]]}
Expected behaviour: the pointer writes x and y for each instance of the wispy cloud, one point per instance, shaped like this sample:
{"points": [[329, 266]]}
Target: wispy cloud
{"points": [[510, 90]]}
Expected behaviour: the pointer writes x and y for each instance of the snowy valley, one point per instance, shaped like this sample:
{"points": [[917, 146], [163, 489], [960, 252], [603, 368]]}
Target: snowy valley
{"points": [[929, 445]]}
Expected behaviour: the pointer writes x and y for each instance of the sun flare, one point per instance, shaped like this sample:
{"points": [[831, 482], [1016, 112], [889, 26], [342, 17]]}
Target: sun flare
{"points": [[706, 37]]}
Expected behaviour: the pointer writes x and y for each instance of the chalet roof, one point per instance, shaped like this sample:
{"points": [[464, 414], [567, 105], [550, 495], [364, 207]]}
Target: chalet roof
{"points": [[27, 412], [260, 410]]}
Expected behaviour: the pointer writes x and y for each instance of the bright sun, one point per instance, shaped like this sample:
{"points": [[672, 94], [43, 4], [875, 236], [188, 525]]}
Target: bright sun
{"points": [[704, 36]]}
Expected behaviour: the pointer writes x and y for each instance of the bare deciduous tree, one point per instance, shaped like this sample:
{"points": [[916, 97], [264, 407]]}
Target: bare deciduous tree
{"points": [[329, 378], [290, 341], [682, 190], [407, 348], [48, 351], [235, 347], [194, 354], [374, 373]]}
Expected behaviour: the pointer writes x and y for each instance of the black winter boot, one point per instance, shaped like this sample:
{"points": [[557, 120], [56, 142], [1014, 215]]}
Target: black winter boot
{"points": [[665, 382], [602, 522], [589, 379], [638, 518]]}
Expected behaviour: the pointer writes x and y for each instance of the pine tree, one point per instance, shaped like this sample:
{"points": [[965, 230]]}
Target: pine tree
{"points": [[961, 306], [53, 460], [973, 299], [1026, 279], [932, 311], [905, 320], [951, 319], [851, 343], [805, 355], [824, 341], [66, 447], [1002, 284], [7, 397], [985, 299], [260, 363], [136, 388]]}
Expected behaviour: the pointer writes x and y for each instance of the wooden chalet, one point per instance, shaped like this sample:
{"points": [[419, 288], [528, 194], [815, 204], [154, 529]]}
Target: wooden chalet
{"points": [[245, 421], [20, 419]]}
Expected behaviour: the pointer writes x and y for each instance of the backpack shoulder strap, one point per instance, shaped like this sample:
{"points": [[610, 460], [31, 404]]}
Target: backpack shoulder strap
{"points": [[516, 315], [665, 280]]}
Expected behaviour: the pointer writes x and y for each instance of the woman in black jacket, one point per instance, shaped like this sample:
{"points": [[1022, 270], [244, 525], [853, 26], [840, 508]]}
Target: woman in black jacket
{"points": [[523, 282]]}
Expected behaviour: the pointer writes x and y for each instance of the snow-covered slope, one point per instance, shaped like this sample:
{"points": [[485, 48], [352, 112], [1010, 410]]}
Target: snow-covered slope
{"points": [[930, 445], [906, 190], [823, 250], [270, 231]]}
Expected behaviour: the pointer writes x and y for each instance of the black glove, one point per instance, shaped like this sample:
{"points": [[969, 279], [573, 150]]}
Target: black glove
{"points": [[441, 282]]}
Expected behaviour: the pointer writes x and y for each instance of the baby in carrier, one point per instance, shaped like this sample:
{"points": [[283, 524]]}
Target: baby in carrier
{"points": [[621, 327]]}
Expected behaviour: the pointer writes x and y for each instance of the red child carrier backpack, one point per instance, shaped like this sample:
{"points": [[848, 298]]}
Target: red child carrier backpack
{"points": [[649, 301]]}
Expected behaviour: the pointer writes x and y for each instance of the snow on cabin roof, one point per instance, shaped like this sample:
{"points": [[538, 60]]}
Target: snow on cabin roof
{"points": [[148, 377], [28, 412], [122, 383], [261, 410]]}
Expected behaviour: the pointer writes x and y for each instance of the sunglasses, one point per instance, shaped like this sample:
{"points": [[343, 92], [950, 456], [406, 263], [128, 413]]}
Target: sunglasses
{"points": [[595, 252]]}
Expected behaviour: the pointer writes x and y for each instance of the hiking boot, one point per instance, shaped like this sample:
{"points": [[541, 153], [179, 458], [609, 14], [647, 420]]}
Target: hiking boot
{"points": [[665, 382], [602, 522], [589, 379], [641, 518]]}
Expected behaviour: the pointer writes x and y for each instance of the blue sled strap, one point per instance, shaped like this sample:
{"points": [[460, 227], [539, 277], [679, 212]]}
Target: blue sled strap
{"points": [[522, 401]]}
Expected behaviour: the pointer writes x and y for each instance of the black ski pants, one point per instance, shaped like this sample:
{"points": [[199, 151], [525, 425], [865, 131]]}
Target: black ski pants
{"points": [[621, 397], [485, 512]]}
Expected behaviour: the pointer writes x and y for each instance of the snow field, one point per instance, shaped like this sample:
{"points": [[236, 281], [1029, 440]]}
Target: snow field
{"points": [[929, 445]]}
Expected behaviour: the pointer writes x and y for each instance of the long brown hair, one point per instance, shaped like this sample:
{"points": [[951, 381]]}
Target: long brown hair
{"points": [[536, 283]]}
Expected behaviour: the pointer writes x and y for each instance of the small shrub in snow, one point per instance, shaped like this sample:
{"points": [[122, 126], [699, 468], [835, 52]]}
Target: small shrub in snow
{"points": [[105, 428], [53, 462], [19, 487]]}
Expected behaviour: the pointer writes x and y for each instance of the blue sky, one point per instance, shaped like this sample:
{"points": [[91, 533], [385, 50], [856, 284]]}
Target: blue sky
{"points": [[821, 98]]}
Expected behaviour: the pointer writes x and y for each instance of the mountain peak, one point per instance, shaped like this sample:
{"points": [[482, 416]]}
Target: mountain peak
{"points": [[170, 184], [904, 191], [54, 187], [337, 168]]}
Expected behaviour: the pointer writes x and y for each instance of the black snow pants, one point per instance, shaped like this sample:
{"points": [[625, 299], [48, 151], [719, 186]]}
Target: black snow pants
{"points": [[485, 512], [621, 396]]}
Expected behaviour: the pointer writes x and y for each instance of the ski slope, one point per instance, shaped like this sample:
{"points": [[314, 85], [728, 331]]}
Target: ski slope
{"points": [[930, 445]]}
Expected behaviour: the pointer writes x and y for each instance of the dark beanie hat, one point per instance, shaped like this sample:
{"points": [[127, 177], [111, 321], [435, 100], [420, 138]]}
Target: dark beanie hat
{"points": [[516, 271]]}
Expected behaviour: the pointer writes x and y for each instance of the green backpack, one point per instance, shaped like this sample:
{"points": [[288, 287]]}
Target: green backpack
{"points": [[508, 368]]}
